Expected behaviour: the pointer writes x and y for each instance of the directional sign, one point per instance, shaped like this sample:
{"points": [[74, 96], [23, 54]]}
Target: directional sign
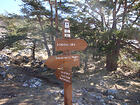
{"points": [[64, 75], [70, 44], [64, 61], [66, 23], [66, 29]]}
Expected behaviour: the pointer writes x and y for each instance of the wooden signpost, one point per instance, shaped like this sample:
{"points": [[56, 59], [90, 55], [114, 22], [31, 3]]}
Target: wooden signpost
{"points": [[55, 62], [64, 75], [66, 29], [70, 44], [64, 63]]}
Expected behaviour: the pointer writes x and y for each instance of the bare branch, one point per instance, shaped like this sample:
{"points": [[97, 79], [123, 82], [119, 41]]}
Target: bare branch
{"points": [[124, 13], [133, 22], [129, 6], [103, 18], [114, 16], [118, 7]]}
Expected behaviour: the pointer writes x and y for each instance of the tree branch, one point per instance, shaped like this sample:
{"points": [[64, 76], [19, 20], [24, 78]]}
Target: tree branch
{"points": [[114, 16], [133, 22], [118, 7], [124, 13], [129, 6]]}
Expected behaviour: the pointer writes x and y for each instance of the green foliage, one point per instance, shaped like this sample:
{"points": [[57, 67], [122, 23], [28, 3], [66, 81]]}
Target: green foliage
{"points": [[15, 31], [18, 46], [33, 8], [9, 40], [66, 7]]}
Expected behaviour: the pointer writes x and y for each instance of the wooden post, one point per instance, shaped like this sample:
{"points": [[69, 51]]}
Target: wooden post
{"points": [[64, 63], [67, 94], [67, 86], [66, 45]]}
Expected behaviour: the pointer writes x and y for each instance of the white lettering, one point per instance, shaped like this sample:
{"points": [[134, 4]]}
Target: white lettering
{"points": [[65, 44], [64, 80], [65, 73]]}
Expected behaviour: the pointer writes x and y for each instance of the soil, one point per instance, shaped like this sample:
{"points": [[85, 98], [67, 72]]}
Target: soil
{"points": [[95, 80]]}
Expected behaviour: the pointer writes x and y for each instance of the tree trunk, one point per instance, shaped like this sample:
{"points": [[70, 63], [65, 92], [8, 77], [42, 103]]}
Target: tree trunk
{"points": [[56, 18], [52, 37], [112, 57], [85, 61], [111, 61], [33, 49], [113, 53], [46, 45], [44, 37]]}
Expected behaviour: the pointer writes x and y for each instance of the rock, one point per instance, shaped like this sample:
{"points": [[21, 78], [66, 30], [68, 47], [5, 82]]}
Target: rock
{"points": [[102, 83], [113, 103], [25, 59], [34, 82], [3, 74], [74, 100], [7, 67], [92, 94], [103, 103], [4, 58], [17, 61], [127, 92], [84, 90], [37, 63], [79, 101], [110, 97], [101, 100], [62, 92], [125, 104], [112, 92], [98, 97], [10, 75]]}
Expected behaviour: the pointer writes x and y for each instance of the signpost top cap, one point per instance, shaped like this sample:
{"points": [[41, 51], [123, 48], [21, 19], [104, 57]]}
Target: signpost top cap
{"points": [[66, 20]]}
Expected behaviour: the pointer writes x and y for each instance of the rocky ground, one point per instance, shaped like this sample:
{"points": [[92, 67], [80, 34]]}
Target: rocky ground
{"points": [[27, 82]]}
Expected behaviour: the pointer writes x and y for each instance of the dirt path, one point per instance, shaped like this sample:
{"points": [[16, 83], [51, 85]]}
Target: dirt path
{"points": [[88, 88]]}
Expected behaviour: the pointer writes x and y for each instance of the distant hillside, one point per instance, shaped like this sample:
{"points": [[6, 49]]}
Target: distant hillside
{"points": [[2, 28]]}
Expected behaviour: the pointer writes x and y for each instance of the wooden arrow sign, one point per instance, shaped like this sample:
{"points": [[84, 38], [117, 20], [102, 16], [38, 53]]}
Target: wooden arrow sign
{"points": [[62, 61], [70, 44], [64, 75]]}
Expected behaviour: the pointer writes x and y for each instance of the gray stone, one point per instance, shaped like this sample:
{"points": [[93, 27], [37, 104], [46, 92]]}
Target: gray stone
{"points": [[112, 103], [34, 82], [92, 94], [110, 97], [102, 100], [112, 91], [103, 103], [74, 100], [3, 74], [4, 58], [98, 97], [62, 92]]}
